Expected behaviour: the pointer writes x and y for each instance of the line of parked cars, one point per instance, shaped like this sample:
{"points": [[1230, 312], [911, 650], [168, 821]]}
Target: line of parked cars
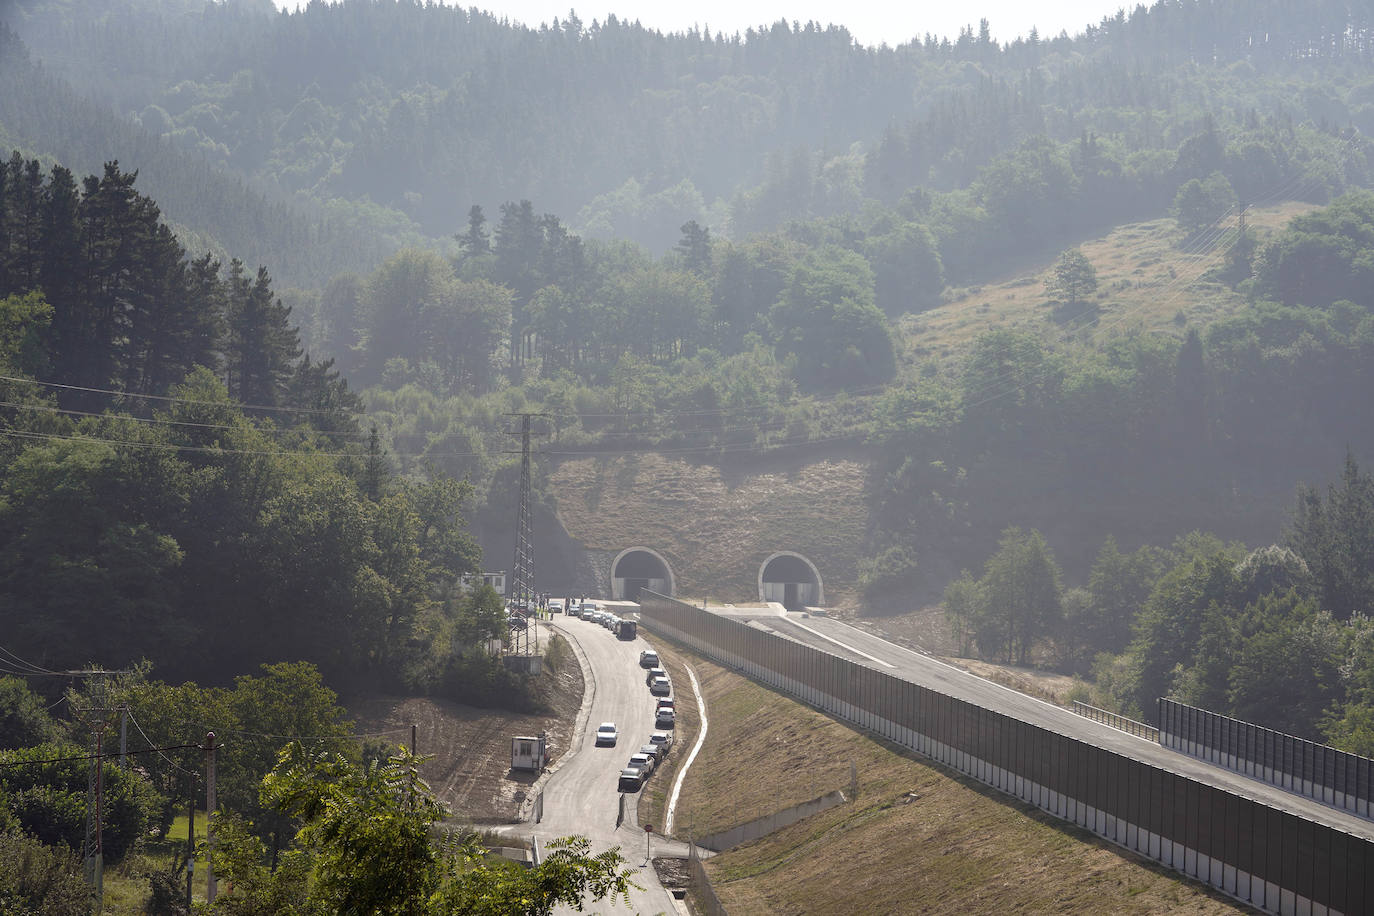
{"points": [[621, 627], [644, 761]]}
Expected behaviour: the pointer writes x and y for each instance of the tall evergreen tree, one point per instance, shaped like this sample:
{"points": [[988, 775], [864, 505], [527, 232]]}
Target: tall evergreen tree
{"points": [[262, 344]]}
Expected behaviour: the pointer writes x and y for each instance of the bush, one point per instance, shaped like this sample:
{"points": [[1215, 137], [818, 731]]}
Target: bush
{"points": [[40, 880]]}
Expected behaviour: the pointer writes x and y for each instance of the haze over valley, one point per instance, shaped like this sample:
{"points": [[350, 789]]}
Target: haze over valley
{"points": [[1043, 351]]}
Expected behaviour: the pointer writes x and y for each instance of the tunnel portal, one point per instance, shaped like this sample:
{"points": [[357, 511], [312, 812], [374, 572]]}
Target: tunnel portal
{"points": [[791, 580], [639, 568]]}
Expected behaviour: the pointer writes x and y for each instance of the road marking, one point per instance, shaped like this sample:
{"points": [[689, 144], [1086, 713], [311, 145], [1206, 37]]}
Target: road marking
{"points": [[871, 658], [701, 739]]}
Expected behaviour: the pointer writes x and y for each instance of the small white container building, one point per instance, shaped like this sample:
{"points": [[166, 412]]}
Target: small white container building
{"points": [[529, 753]]}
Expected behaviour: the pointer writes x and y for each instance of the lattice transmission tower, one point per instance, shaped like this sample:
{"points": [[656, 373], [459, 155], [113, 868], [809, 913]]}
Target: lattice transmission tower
{"points": [[524, 641]]}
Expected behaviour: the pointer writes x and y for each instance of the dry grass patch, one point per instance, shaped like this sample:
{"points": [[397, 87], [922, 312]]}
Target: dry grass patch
{"points": [[1145, 280], [918, 838]]}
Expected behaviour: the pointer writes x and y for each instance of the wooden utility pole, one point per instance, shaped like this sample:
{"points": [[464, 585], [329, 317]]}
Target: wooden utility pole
{"points": [[210, 817], [190, 845]]}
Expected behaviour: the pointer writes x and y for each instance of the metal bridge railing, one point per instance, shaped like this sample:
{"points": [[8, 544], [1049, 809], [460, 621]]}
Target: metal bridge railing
{"points": [[1117, 721]]}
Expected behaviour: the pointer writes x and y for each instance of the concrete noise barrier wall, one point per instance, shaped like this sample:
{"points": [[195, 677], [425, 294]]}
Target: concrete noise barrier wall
{"points": [[1329, 775], [1269, 858]]}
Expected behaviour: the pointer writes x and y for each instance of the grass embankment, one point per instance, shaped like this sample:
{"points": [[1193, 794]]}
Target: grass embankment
{"points": [[918, 838]]}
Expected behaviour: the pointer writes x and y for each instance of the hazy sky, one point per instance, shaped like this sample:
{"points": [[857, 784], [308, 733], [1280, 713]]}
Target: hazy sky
{"points": [[870, 21]]}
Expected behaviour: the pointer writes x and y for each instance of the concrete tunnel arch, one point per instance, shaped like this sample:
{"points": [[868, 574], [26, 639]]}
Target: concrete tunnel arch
{"points": [[637, 568], [791, 580]]}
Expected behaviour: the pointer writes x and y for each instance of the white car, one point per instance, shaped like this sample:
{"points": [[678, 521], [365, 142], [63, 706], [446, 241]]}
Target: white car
{"points": [[664, 718], [663, 740], [606, 734], [648, 659]]}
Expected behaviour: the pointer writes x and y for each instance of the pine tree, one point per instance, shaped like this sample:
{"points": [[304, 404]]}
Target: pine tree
{"points": [[262, 345]]}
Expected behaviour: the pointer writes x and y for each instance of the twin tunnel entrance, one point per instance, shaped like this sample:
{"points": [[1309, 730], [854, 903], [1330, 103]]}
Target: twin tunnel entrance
{"points": [[785, 577]]}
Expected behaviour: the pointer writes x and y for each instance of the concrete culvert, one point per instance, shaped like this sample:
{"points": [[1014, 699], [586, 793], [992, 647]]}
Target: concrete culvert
{"points": [[791, 580], [639, 568]]}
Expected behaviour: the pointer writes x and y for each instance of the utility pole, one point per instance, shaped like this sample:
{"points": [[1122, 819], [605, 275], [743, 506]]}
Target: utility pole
{"points": [[93, 848], [190, 844], [210, 817]]}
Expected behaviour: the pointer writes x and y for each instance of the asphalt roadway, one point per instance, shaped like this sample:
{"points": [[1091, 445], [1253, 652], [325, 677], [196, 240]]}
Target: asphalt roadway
{"points": [[580, 790], [867, 649]]}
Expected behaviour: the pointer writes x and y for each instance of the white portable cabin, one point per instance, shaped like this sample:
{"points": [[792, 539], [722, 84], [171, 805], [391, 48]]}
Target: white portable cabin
{"points": [[529, 753]]}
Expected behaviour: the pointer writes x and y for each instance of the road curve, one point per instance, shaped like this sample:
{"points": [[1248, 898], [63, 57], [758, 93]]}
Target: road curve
{"points": [[581, 796]]}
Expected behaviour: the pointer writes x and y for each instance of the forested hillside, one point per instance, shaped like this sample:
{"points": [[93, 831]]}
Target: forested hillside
{"points": [[182, 485], [392, 112]]}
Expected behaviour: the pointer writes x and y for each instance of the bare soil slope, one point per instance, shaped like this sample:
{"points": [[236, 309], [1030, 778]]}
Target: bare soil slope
{"points": [[471, 746], [717, 527]]}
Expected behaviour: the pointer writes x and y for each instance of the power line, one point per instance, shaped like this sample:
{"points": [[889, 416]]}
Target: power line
{"points": [[168, 399], [88, 757], [155, 421], [170, 761], [33, 670]]}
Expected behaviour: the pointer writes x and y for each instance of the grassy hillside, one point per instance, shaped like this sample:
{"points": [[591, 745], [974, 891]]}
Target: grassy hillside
{"points": [[1147, 278], [917, 839]]}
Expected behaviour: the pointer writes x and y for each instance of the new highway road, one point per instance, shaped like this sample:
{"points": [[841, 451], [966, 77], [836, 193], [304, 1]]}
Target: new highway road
{"points": [[865, 648]]}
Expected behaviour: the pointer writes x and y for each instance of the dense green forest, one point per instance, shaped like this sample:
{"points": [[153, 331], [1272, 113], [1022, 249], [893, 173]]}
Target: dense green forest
{"points": [[395, 117], [181, 483]]}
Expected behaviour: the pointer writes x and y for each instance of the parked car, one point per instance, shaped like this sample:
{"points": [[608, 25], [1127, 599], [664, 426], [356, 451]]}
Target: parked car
{"points": [[517, 622], [631, 780], [666, 703], [588, 607], [663, 740], [653, 751], [664, 718], [653, 673], [648, 659], [660, 687], [643, 762], [606, 734], [555, 605]]}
